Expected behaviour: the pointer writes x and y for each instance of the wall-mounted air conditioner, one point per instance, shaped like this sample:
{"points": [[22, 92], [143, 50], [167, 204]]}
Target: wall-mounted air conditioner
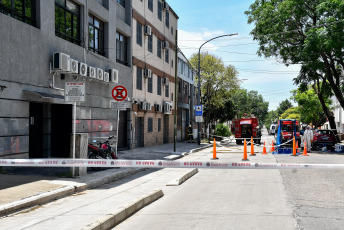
{"points": [[143, 105], [148, 73], [167, 107], [100, 74], [106, 77], [148, 30], [74, 66], [148, 106], [113, 75], [165, 45], [158, 108], [166, 6], [61, 62], [82, 70], [166, 81], [91, 73]]}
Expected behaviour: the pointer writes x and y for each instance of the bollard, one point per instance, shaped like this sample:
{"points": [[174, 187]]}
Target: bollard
{"points": [[264, 149], [252, 147], [214, 151], [245, 151], [305, 149]]}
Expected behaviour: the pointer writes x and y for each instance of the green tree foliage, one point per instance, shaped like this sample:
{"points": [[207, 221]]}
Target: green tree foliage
{"points": [[308, 32], [222, 130], [291, 113], [271, 118], [218, 82], [310, 107], [283, 106]]}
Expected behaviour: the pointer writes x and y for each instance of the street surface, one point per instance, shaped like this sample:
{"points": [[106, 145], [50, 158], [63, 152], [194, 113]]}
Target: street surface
{"points": [[211, 199]]}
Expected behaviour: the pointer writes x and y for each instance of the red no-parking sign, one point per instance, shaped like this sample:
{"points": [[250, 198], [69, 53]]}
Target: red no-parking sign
{"points": [[119, 93]]}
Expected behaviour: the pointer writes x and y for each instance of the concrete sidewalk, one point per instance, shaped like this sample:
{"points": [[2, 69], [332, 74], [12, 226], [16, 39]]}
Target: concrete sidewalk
{"points": [[21, 188]]}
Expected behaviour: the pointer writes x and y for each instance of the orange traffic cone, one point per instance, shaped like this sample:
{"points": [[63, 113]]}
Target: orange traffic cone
{"points": [[294, 148], [272, 147], [264, 149], [305, 150], [252, 148], [297, 147], [245, 151], [214, 151]]}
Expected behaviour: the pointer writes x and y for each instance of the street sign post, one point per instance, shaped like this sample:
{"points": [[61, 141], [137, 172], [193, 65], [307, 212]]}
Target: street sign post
{"points": [[75, 91], [119, 93], [119, 105], [199, 110]]}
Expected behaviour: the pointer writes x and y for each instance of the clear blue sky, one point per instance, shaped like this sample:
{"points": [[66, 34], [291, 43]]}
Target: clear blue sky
{"points": [[202, 20]]}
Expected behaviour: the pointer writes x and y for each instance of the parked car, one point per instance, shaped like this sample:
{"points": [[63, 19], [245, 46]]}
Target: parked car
{"points": [[324, 137]]}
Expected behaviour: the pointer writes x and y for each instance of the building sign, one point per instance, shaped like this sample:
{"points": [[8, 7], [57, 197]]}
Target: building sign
{"points": [[119, 105], [75, 91]]}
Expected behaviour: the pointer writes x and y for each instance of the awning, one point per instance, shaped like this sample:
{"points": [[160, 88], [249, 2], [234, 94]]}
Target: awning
{"points": [[45, 95], [246, 122]]}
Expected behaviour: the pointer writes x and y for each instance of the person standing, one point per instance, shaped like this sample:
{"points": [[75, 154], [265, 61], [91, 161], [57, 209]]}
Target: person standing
{"points": [[308, 138]]}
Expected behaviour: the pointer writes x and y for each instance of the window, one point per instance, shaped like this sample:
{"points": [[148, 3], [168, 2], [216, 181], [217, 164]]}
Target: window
{"points": [[159, 85], [150, 124], [167, 19], [150, 85], [166, 55], [139, 34], [159, 48], [121, 48], [95, 35], [122, 2], [138, 78], [167, 91], [159, 124], [179, 86], [171, 63], [160, 10], [150, 5], [172, 30], [67, 20], [150, 43], [22, 10]]}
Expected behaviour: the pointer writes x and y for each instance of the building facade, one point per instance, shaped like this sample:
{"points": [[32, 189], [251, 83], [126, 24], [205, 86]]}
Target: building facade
{"points": [[154, 25], [45, 44]]}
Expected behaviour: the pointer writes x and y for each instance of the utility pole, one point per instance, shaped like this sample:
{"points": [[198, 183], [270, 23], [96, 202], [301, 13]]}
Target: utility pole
{"points": [[175, 91]]}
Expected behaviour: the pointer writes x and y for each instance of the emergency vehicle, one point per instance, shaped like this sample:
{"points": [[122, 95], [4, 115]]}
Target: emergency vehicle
{"points": [[286, 130], [245, 128]]}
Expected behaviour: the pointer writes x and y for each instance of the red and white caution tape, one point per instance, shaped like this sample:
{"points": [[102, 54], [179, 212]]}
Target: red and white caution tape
{"points": [[159, 164]]}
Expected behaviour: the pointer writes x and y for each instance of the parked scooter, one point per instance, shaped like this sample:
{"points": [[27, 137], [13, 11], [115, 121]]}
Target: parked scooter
{"points": [[102, 151]]}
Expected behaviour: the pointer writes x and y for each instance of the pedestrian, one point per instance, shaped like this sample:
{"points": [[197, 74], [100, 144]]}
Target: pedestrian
{"points": [[308, 138]]}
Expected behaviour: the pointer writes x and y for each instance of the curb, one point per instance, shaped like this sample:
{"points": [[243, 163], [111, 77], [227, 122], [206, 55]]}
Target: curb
{"points": [[181, 180], [63, 192], [111, 220]]}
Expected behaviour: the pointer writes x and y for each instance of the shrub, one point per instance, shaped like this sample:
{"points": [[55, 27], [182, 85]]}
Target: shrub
{"points": [[222, 130]]}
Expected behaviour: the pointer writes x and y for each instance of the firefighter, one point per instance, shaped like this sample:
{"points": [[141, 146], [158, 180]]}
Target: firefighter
{"points": [[308, 138], [190, 134]]}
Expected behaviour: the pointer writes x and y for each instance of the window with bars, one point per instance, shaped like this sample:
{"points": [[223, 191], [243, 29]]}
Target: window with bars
{"points": [[150, 85], [121, 48], [22, 10], [167, 55], [150, 124], [95, 35], [159, 85], [159, 47], [150, 43], [139, 34], [67, 20], [138, 78]]}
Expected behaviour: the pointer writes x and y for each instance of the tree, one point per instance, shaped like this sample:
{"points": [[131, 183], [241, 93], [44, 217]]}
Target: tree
{"points": [[310, 106], [308, 32], [218, 82], [283, 106], [271, 118], [291, 113]]}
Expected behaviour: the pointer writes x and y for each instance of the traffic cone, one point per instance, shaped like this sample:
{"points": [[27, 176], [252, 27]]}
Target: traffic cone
{"points": [[214, 151], [297, 147], [294, 148], [264, 149], [272, 147], [245, 151], [252, 148], [305, 150]]}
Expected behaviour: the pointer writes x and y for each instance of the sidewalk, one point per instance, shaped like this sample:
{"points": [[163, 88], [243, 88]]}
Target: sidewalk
{"points": [[25, 187]]}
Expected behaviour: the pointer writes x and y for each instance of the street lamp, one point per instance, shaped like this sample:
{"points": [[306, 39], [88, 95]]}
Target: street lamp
{"points": [[199, 78]]}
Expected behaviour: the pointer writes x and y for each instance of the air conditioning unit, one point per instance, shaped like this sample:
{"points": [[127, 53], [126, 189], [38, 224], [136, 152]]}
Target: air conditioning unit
{"points": [[113, 75], [168, 107], [61, 62], [158, 108], [148, 73], [148, 30], [91, 72], [100, 74], [82, 69], [166, 81], [148, 106], [143, 106], [165, 45], [166, 6], [106, 77], [74, 66]]}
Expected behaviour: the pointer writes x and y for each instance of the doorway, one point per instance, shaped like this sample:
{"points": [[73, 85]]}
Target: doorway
{"points": [[139, 126], [61, 130], [166, 129], [36, 130]]}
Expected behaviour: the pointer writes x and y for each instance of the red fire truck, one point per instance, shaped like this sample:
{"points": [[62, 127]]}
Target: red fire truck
{"points": [[245, 128]]}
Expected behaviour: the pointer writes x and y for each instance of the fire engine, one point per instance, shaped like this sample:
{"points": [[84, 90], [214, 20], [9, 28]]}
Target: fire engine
{"points": [[286, 130], [245, 128]]}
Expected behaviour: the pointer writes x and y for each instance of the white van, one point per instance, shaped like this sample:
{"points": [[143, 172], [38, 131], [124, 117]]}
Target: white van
{"points": [[272, 129]]}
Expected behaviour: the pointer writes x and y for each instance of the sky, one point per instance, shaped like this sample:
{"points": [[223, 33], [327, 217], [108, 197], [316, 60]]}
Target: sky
{"points": [[201, 20]]}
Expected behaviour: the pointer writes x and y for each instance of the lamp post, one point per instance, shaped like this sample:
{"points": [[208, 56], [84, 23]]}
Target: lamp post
{"points": [[199, 79]]}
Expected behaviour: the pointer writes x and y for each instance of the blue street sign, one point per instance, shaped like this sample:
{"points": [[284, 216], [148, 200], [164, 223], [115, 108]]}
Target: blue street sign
{"points": [[199, 110]]}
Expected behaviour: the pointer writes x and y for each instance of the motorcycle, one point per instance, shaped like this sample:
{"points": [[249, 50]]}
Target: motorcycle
{"points": [[102, 151]]}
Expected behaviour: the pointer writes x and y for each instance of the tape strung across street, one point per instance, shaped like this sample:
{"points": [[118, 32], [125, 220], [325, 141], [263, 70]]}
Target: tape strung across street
{"points": [[159, 164]]}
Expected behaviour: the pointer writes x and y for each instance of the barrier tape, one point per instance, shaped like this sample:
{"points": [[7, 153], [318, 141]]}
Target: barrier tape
{"points": [[159, 164]]}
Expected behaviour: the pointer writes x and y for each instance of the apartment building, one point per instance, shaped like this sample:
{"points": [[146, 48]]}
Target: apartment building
{"points": [[45, 44], [186, 98], [154, 26]]}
